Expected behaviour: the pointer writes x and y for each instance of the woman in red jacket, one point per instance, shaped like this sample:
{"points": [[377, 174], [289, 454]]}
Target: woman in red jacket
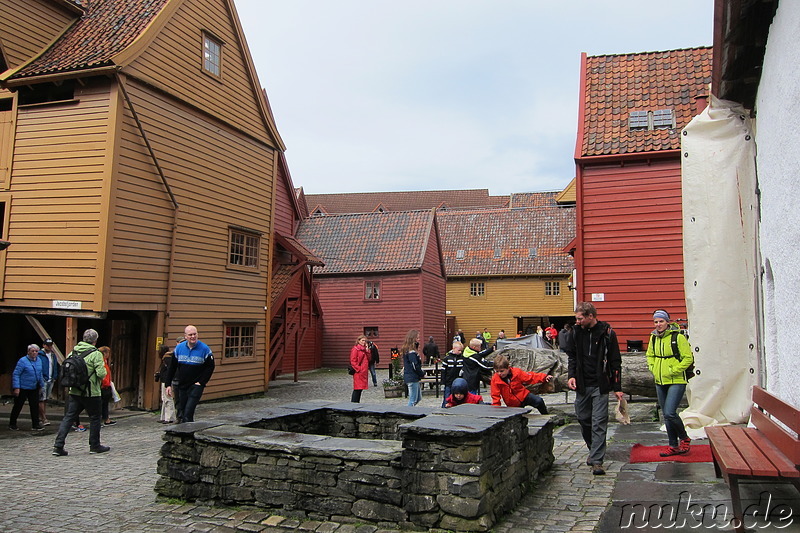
{"points": [[509, 384], [359, 360]]}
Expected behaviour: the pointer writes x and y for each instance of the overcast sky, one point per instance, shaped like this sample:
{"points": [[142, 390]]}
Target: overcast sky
{"points": [[373, 95]]}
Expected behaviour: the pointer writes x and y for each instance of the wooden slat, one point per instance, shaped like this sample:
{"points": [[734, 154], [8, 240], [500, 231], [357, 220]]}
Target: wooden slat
{"points": [[725, 452], [776, 407], [779, 460], [777, 435], [758, 463]]}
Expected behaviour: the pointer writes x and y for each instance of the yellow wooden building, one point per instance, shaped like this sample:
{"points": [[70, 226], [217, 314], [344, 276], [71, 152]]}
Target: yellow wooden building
{"points": [[137, 163]]}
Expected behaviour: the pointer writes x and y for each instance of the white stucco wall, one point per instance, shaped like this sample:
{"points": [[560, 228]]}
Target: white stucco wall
{"points": [[778, 164]]}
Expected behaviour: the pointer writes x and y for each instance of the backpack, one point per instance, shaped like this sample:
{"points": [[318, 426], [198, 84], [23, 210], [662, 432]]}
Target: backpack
{"points": [[74, 372], [689, 373]]}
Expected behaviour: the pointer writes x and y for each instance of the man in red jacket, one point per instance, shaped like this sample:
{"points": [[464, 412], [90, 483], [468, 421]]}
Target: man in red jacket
{"points": [[509, 384]]}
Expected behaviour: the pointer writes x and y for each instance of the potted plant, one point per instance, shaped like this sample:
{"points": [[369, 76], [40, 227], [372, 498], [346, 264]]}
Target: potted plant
{"points": [[393, 387]]}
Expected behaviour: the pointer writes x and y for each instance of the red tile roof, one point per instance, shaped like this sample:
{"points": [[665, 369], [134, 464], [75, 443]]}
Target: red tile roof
{"points": [[618, 84], [280, 280], [106, 28], [514, 232], [368, 202], [533, 199], [371, 242]]}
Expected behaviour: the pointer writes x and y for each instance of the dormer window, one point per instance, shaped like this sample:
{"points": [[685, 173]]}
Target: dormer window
{"points": [[638, 120], [212, 55], [460, 255], [498, 253], [663, 118], [651, 120]]}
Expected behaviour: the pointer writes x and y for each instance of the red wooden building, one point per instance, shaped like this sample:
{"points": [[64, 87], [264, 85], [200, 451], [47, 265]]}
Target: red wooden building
{"points": [[295, 313], [383, 276], [628, 248]]}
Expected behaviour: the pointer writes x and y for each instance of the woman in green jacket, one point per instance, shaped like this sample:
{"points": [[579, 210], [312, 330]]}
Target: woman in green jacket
{"points": [[669, 368]]}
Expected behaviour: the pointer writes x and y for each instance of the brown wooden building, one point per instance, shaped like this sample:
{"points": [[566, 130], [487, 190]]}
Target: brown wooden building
{"points": [[628, 248], [383, 276], [137, 165]]}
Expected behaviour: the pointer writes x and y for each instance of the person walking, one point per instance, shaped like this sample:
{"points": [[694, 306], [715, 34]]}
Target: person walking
{"points": [[192, 365], [374, 359], [430, 351], [167, 415], [105, 387], [26, 382], [85, 397], [412, 366], [594, 369], [359, 361], [668, 357]]}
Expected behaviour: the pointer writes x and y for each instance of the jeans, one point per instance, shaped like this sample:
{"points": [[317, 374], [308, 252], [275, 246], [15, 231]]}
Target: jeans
{"points": [[669, 396], [591, 408], [536, 402], [32, 396], [76, 405], [187, 401], [374, 375], [446, 395], [414, 393], [105, 398]]}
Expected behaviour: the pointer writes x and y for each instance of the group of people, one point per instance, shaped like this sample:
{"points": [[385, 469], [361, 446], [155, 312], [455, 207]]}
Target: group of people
{"points": [[594, 371], [184, 374]]}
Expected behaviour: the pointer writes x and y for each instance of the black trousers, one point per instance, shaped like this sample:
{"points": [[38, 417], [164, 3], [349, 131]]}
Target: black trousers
{"points": [[76, 405], [32, 397]]}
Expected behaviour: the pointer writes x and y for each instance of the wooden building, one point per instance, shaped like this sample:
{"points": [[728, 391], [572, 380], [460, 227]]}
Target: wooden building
{"points": [[628, 246], [137, 165], [507, 268], [383, 276]]}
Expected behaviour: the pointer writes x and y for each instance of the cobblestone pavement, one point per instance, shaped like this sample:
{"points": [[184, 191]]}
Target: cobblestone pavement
{"points": [[113, 492]]}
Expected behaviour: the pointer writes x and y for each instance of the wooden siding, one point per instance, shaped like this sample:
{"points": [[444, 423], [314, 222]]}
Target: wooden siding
{"points": [[285, 215], [60, 163], [346, 314], [433, 295], [632, 247], [7, 129], [28, 26], [309, 353], [505, 298], [172, 62], [219, 178]]}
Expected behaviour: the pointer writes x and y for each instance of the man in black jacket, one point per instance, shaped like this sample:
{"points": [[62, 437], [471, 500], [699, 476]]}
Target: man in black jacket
{"points": [[594, 370]]}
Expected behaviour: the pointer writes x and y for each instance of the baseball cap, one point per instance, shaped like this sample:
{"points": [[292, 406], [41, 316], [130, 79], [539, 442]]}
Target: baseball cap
{"points": [[47, 341]]}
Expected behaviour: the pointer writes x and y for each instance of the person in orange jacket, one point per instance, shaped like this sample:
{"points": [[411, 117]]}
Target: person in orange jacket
{"points": [[509, 384]]}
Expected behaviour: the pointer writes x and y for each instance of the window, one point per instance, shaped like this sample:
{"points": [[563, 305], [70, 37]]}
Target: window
{"points": [[649, 120], [372, 290], [371, 332], [477, 289], [212, 55], [498, 253], [460, 255], [532, 252], [244, 248], [240, 340], [663, 118], [638, 120], [552, 288]]}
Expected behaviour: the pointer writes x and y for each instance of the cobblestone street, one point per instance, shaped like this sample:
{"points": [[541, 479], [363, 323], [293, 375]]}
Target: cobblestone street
{"points": [[113, 492]]}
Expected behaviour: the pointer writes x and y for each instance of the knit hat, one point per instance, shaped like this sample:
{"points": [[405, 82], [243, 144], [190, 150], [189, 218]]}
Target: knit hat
{"points": [[459, 386], [660, 313]]}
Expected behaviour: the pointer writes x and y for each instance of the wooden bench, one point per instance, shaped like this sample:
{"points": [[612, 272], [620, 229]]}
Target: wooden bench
{"points": [[767, 452]]}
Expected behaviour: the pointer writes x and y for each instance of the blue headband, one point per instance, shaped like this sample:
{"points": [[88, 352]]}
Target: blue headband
{"points": [[661, 314]]}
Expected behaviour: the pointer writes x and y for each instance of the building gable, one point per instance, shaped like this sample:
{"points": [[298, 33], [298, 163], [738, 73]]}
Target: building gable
{"points": [[27, 27]]}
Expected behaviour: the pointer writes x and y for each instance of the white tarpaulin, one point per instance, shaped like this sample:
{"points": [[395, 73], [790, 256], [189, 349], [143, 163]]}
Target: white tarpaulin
{"points": [[720, 263]]}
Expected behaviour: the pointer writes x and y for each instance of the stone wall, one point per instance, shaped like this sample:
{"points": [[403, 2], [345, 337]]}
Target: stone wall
{"points": [[410, 467]]}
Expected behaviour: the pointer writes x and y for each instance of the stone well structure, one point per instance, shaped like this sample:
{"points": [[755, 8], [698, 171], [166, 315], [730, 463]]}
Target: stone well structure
{"points": [[411, 467]]}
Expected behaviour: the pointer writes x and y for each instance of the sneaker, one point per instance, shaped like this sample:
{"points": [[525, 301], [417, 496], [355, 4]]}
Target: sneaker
{"points": [[673, 451], [100, 449], [13, 428], [110, 423], [543, 410], [78, 428], [60, 452], [44, 423], [37, 428], [684, 444], [597, 470]]}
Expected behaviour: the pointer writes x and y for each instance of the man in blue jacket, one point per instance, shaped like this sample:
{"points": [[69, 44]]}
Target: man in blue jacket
{"points": [[192, 365], [25, 383], [50, 373]]}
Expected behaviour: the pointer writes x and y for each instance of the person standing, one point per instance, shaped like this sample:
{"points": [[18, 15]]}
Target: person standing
{"points": [[192, 365], [167, 415], [26, 382], [564, 336], [452, 364], [595, 365], [475, 365], [50, 374], [359, 361], [668, 358], [412, 366], [430, 351], [105, 387], [487, 337], [85, 397], [374, 359]]}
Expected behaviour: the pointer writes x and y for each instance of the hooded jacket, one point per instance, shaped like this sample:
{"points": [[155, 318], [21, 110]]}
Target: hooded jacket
{"points": [[668, 368], [600, 343], [460, 387], [514, 391]]}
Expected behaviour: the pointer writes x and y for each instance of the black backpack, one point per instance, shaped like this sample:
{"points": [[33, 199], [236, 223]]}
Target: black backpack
{"points": [[689, 373], [74, 372]]}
